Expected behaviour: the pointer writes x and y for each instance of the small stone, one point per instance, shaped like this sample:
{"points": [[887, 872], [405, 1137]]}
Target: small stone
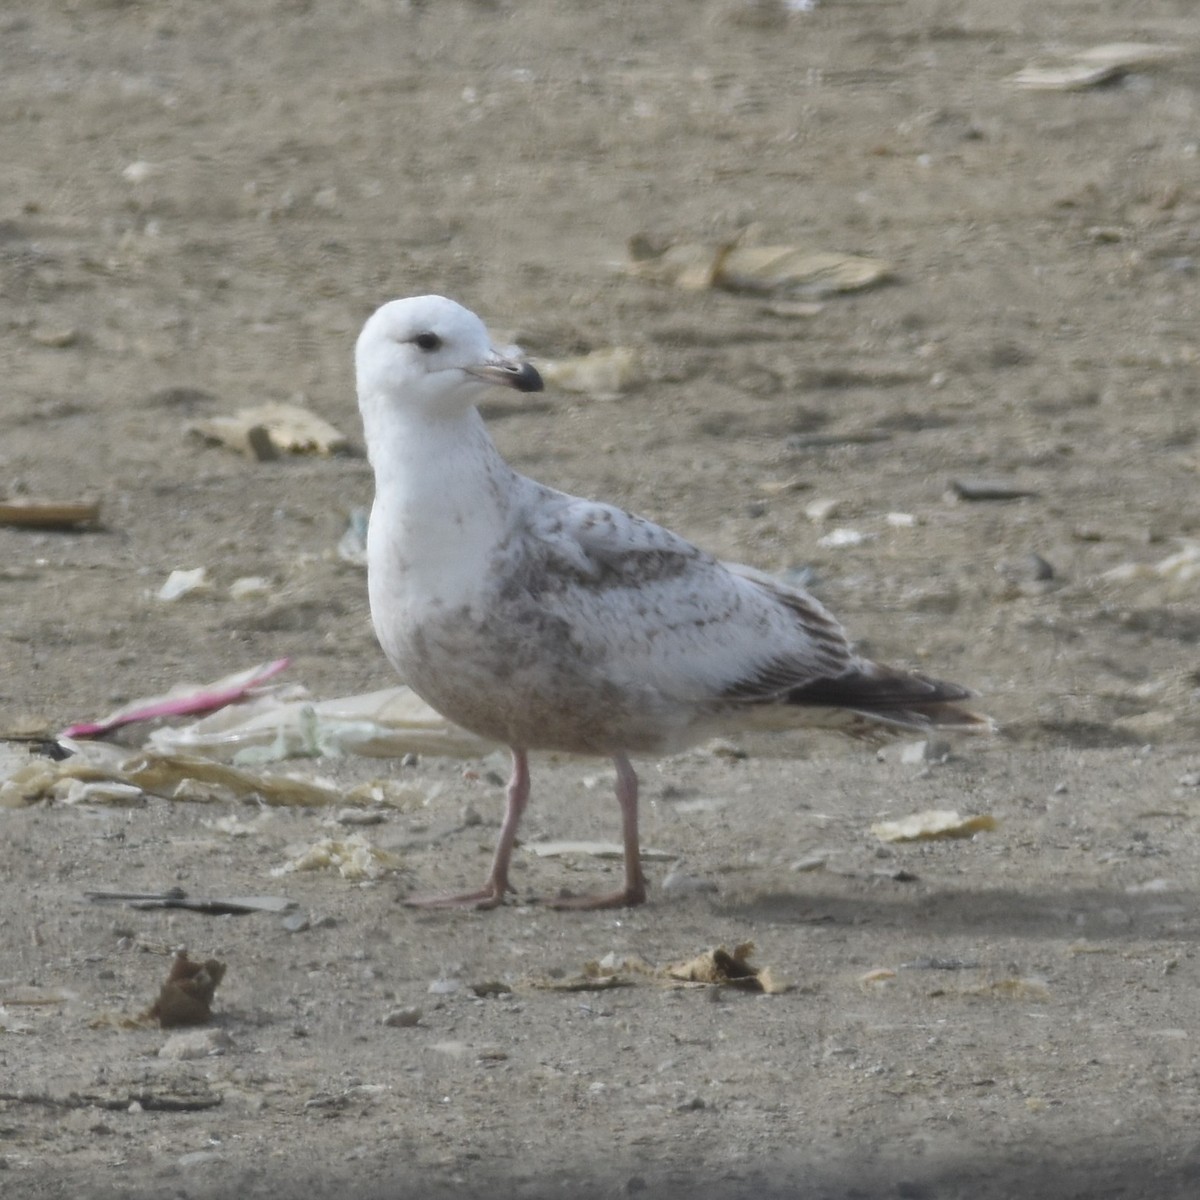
{"points": [[56, 339], [929, 750], [296, 922], [197, 1043], [1039, 568], [200, 1158], [470, 816], [814, 862], [1191, 779], [403, 1018], [843, 538], [249, 587], [141, 170], [445, 987], [677, 883], [360, 816], [489, 989], [821, 510], [986, 489]]}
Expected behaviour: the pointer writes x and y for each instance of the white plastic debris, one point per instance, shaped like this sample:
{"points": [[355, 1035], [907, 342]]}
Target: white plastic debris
{"points": [[843, 539], [353, 857], [249, 586], [388, 723], [605, 372], [183, 582]]}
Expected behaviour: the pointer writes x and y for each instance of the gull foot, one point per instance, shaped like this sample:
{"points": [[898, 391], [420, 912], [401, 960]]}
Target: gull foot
{"points": [[488, 896], [629, 897]]}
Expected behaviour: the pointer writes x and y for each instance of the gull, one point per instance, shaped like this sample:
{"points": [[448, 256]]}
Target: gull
{"points": [[548, 622]]}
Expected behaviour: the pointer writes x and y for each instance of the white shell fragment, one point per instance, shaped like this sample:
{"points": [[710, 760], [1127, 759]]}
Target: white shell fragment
{"points": [[1097, 65], [183, 583]]}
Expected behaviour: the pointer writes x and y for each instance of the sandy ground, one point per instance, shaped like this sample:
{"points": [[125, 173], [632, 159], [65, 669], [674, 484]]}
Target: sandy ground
{"points": [[200, 204]]}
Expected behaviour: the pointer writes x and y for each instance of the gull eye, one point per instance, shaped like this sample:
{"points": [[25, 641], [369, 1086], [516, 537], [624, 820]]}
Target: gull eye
{"points": [[427, 341]]}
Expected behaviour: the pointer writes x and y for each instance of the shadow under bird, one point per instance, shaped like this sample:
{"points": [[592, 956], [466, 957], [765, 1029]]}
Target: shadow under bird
{"points": [[549, 622]]}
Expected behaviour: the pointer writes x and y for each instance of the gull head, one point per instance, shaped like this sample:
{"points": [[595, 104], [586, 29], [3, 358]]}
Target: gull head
{"points": [[432, 355]]}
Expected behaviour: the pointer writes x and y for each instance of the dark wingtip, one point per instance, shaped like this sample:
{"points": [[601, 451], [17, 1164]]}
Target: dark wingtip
{"points": [[900, 698]]}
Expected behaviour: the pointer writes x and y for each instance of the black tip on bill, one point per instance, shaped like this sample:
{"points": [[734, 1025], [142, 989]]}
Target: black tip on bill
{"points": [[527, 379]]}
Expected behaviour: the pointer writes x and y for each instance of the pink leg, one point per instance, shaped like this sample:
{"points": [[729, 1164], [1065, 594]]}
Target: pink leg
{"points": [[634, 892], [491, 895]]}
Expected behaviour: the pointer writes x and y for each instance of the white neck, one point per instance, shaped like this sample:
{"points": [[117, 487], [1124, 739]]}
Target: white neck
{"points": [[440, 505]]}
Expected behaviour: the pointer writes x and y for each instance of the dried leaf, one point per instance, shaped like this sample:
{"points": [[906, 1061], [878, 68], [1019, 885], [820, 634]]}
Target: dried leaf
{"points": [[932, 825], [186, 996], [785, 271], [720, 966], [270, 429]]}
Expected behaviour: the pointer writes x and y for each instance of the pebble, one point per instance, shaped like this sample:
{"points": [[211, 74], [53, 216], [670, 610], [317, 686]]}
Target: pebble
{"points": [[140, 170], [677, 883], [199, 1158], [249, 586], [821, 510], [196, 1043], [403, 1018], [928, 750], [296, 922], [56, 339], [815, 862], [841, 539], [445, 987], [360, 816], [986, 489]]}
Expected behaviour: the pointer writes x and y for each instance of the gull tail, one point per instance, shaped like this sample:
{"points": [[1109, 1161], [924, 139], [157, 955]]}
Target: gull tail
{"points": [[891, 697]]}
